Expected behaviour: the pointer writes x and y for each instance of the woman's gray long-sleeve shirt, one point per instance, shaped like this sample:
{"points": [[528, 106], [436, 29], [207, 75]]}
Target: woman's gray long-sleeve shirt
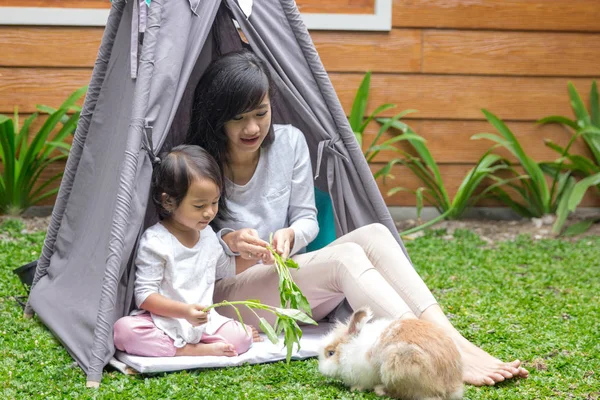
{"points": [[280, 194]]}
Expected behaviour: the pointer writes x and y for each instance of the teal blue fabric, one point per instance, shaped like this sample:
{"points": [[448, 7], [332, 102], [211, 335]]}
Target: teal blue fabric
{"points": [[326, 221]]}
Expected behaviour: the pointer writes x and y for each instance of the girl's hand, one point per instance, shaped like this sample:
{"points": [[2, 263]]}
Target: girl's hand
{"points": [[194, 314], [283, 241], [247, 242]]}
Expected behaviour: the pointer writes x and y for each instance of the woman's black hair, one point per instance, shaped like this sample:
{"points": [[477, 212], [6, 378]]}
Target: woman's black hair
{"points": [[176, 171], [233, 84]]}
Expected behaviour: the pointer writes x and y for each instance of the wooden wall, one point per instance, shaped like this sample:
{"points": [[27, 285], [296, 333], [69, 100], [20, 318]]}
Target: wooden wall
{"points": [[446, 58]]}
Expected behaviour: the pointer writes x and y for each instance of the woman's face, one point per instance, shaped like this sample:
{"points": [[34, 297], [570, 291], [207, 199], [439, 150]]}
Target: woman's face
{"points": [[246, 132]]}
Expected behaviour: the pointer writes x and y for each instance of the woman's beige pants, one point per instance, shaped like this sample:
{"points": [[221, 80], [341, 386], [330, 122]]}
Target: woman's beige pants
{"points": [[366, 266]]}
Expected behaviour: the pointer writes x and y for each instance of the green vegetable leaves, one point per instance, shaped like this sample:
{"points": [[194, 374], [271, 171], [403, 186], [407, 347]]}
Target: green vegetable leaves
{"points": [[294, 307]]}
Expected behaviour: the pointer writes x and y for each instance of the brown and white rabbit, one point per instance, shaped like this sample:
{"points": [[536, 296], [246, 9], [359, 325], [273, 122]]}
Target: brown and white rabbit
{"points": [[406, 359]]}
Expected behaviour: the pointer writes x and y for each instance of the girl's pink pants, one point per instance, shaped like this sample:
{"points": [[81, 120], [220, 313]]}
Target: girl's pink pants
{"points": [[137, 335]]}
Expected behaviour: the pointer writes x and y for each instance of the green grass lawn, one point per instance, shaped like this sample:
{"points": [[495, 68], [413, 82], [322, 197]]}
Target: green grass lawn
{"points": [[533, 300]]}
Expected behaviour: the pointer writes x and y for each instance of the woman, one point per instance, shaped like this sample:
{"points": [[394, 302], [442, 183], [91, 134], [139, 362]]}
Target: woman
{"points": [[269, 189]]}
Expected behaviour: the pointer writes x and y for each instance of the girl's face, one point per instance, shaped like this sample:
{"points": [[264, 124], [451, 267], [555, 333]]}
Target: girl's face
{"points": [[246, 132], [199, 206]]}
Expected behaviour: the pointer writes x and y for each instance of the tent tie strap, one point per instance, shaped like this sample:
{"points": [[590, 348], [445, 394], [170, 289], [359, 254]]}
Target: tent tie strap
{"points": [[138, 25], [330, 145], [147, 144]]}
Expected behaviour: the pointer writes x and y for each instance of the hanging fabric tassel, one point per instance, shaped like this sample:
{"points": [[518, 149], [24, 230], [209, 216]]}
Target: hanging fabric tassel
{"points": [[138, 25], [133, 50]]}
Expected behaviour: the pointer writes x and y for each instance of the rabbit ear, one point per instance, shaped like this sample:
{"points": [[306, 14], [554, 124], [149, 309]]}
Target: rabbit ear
{"points": [[359, 319]]}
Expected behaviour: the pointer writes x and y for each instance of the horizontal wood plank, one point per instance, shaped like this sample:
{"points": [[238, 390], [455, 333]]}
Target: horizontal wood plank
{"points": [[511, 53], [26, 87], [309, 6], [49, 46], [435, 96], [554, 15], [463, 97], [450, 141], [456, 52], [336, 6], [395, 51], [452, 175], [58, 3]]}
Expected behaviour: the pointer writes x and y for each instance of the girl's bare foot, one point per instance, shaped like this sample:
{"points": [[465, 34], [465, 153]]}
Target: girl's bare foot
{"points": [[255, 335], [207, 349]]}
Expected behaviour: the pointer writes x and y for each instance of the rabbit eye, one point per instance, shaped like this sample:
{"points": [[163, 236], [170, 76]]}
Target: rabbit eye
{"points": [[330, 353]]}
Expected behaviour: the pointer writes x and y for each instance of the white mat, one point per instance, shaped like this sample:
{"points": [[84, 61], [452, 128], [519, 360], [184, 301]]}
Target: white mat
{"points": [[260, 352]]}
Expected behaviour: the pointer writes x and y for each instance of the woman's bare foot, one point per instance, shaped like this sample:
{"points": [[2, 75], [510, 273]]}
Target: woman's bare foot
{"points": [[207, 349], [480, 368], [255, 335]]}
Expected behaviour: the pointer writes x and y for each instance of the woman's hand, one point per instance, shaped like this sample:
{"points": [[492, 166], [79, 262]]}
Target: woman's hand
{"points": [[247, 242], [194, 314], [283, 241]]}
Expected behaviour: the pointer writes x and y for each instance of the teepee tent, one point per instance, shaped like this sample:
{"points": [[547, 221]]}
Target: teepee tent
{"points": [[148, 65]]}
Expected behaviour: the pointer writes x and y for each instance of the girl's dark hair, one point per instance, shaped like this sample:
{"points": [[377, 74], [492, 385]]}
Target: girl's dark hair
{"points": [[231, 85], [176, 171]]}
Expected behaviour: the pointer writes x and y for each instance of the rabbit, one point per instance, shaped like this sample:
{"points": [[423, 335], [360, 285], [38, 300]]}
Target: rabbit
{"points": [[406, 359]]}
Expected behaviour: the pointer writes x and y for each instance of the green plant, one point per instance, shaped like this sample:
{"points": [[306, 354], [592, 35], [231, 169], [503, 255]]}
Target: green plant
{"points": [[294, 307], [286, 322], [434, 190], [586, 126], [537, 197], [358, 123], [24, 160]]}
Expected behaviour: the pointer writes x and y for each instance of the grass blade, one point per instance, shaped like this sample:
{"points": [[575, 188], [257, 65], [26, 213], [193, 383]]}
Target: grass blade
{"points": [[426, 224], [7, 144], [580, 188], [385, 171], [492, 137], [425, 155], [562, 210], [359, 105], [464, 194], [558, 119], [583, 118], [374, 114], [427, 177], [578, 227], [386, 125], [372, 151], [523, 211], [539, 187]]}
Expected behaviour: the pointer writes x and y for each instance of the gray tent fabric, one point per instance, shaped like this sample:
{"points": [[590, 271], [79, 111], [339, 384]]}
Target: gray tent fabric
{"points": [[84, 278]]}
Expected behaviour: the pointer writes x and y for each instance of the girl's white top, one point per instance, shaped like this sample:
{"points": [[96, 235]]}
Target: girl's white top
{"points": [[188, 275], [280, 194]]}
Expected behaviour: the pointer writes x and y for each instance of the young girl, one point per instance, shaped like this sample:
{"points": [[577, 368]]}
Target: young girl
{"points": [[269, 188], [178, 261]]}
